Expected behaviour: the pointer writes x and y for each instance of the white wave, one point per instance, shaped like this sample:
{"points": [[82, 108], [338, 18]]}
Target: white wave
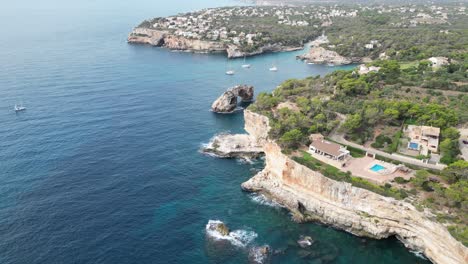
{"points": [[256, 255], [263, 200], [245, 160], [239, 238], [418, 254]]}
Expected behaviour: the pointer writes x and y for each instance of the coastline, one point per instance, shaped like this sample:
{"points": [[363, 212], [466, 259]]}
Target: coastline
{"points": [[164, 39], [310, 196]]}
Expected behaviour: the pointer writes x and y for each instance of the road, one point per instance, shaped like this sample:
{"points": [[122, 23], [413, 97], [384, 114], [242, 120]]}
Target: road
{"points": [[338, 137]]}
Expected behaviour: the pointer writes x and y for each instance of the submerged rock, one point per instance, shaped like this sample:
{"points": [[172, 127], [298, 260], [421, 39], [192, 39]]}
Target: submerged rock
{"points": [[259, 255], [227, 102], [305, 241], [218, 227]]}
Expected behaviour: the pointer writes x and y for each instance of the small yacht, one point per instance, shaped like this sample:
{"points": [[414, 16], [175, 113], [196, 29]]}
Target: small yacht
{"points": [[19, 108], [310, 63], [331, 64], [245, 65], [230, 72], [273, 69]]}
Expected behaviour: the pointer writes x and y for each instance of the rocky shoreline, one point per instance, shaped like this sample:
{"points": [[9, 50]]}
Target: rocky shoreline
{"points": [[320, 55], [163, 38], [310, 196]]}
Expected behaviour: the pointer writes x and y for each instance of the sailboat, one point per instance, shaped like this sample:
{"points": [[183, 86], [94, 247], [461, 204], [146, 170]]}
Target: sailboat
{"points": [[19, 107], [273, 67], [245, 65], [229, 71]]}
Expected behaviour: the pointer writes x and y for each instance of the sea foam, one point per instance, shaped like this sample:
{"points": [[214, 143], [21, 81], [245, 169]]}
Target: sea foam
{"points": [[239, 238]]}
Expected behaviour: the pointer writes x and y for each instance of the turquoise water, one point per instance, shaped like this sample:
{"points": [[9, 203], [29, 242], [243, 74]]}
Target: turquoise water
{"points": [[104, 166], [377, 168], [414, 145]]}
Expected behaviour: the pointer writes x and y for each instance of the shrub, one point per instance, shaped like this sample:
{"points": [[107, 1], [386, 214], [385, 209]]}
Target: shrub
{"points": [[400, 180]]}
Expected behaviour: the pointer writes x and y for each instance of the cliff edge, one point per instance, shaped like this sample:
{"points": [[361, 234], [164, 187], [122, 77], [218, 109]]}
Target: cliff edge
{"points": [[314, 197]]}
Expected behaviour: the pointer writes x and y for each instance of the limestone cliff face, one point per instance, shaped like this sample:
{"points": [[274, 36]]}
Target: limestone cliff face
{"points": [[163, 38], [147, 36], [257, 126], [314, 197], [320, 55], [195, 45]]}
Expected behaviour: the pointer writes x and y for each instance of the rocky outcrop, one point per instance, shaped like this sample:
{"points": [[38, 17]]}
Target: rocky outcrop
{"points": [[305, 241], [227, 102], [320, 55], [194, 45], [259, 255], [235, 52], [164, 38], [147, 36], [310, 196], [218, 227], [234, 146]]}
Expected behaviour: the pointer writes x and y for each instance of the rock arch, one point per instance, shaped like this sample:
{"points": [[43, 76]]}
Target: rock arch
{"points": [[227, 102]]}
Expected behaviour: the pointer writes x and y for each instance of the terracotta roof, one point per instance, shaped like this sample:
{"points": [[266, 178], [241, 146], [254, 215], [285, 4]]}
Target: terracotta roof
{"points": [[327, 147], [433, 131]]}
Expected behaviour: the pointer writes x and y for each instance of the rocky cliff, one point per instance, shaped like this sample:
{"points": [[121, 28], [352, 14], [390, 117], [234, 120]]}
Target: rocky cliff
{"points": [[227, 102], [314, 197], [163, 38], [320, 55]]}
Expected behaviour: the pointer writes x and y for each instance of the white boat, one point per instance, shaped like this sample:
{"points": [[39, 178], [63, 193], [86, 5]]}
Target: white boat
{"points": [[273, 69], [310, 63], [19, 108], [331, 64], [230, 72], [245, 65]]}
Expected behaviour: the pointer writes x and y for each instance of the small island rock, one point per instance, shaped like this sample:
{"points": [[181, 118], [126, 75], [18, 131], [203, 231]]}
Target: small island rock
{"points": [[227, 102]]}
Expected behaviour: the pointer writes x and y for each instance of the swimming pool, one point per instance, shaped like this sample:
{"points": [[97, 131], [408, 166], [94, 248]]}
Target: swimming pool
{"points": [[413, 145], [377, 168]]}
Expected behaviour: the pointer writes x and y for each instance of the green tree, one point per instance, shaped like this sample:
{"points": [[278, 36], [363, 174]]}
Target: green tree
{"points": [[456, 171], [353, 122], [391, 71], [451, 133], [421, 178], [291, 138]]}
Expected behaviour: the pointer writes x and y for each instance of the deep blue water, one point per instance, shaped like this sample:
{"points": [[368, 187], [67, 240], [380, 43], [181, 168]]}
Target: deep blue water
{"points": [[104, 166]]}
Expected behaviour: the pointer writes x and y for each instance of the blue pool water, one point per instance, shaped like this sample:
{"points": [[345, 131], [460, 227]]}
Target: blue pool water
{"points": [[104, 167], [414, 145], [377, 168]]}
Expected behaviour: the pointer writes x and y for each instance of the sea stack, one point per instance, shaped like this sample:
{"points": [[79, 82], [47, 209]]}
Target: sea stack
{"points": [[227, 102]]}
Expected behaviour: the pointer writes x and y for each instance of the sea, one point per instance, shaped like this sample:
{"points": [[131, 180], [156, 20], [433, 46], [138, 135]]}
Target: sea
{"points": [[104, 166]]}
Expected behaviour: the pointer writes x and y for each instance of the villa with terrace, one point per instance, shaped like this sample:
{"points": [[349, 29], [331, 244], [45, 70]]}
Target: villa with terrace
{"points": [[367, 167], [328, 149], [423, 139]]}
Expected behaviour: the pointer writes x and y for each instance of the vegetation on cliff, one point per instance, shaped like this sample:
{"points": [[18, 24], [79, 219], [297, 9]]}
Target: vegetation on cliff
{"points": [[405, 32], [360, 105]]}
